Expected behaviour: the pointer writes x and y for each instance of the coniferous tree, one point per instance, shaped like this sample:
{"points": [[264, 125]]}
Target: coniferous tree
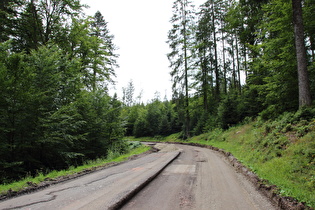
{"points": [[8, 18], [104, 51], [128, 94], [49, 119], [180, 40], [215, 47], [29, 29], [309, 23], [204, 56]]}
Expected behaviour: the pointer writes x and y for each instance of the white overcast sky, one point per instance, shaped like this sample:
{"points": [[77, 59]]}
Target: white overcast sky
{"points": [[140, 28]]}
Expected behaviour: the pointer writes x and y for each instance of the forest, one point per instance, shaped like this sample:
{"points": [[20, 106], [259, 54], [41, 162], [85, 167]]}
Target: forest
{"points": [[55, 67], [230, 61]]}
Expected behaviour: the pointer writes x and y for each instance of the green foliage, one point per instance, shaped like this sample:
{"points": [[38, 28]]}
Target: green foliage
{"points": [[49, 117], [228, 113], [141, 126], [251, 39], [103, 125], [8, 12], [275, 151], [180, 40], [134, 144], [131, 115], [88, 165], [276, 62], [154, 119], [229, 62]]}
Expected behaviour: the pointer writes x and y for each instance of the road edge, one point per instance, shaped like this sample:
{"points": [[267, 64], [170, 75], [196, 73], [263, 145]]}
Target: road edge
{"points": [[269, 191], [58, 180], [141, 185]]}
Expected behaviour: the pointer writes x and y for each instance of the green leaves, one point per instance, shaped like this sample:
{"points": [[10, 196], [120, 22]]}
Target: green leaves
{"points": [[54, 107], [154, 119]]}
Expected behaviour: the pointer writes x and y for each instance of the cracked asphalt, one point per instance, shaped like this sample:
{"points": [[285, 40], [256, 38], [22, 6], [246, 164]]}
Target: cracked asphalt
{"points": [[104, 189], [199, 179], [177, 177]]}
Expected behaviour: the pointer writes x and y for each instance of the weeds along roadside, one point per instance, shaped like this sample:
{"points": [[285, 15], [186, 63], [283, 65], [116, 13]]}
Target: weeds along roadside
{"points": [[32, 182], [280, 151]]}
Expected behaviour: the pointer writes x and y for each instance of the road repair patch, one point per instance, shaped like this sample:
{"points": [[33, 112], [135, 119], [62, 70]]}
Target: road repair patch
{"points": [[180, 169]]}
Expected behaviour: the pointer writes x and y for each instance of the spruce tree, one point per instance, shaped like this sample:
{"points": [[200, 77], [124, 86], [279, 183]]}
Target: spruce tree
{"points": [[104, 62], [180, 40]]}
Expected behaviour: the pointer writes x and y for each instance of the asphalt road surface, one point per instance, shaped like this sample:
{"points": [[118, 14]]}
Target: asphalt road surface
{"points": [[196, 178], [104, 189], [199, 179]]}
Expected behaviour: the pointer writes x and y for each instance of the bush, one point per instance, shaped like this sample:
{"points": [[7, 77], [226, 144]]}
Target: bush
{"points": [[228, 112], [134, 144], [305, 113]]}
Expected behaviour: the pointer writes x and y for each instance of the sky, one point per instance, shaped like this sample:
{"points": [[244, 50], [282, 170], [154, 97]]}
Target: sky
{"points": [[140, 28]]}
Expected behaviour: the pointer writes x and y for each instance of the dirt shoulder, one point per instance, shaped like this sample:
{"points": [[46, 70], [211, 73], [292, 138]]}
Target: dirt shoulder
{"points": [[270, 191]]}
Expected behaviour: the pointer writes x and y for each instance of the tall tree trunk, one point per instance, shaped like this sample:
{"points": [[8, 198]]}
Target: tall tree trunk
{"points": [[204, 81], [233, 61], [245, 62], [224, 64], [94, 80], [187, 118], [304, 88], [217, 76], [312, 48], [211, 79], [238, 66]]}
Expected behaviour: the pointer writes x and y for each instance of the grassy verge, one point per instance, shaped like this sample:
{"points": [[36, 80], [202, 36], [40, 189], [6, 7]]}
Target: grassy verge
{"points": [[282, 151], [17, 186], [284, 157]]}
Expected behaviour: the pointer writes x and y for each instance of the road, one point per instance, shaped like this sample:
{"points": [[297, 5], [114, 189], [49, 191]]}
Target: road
{"points": [[104, 189], [199, 179], [196, 178]]}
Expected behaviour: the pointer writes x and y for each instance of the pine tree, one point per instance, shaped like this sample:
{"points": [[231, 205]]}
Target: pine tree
{"points": [[104, 60], [179, 40], [204, 54]]}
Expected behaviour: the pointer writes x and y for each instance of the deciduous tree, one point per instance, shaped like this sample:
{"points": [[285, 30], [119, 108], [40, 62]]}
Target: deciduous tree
{"points": [[304, 88]]}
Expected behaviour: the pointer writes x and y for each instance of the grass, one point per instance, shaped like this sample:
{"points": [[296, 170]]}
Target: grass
{"points": [[282, 152], [282, 157], [17, 186]]}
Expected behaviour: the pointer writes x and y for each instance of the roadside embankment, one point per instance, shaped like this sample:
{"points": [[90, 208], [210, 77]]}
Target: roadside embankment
{"points": [[281, 153]]}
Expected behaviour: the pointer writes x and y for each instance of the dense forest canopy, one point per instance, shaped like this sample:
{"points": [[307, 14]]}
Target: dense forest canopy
{"points": [[229, 60], [55, 67]]}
